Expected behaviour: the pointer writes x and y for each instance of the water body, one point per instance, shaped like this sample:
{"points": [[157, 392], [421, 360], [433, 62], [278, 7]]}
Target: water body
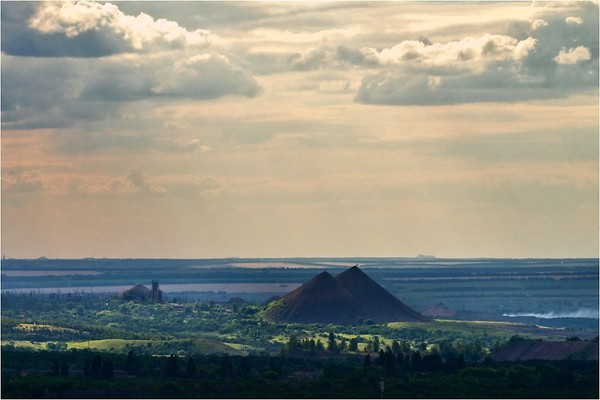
{"points": [[171, 288], [34, 273]]}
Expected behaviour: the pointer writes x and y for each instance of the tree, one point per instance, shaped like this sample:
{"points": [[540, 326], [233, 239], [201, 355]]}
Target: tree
{"points": [[107, 369], [293, 343], [64, 368], [131, 364], [226, 367], [432, 362], [416, 360], [96, 366], [190, 370], [343, 344], [171, 367], [353, 346], [395, 347], [400, 359], [86, 367], [389, 360], [55, 367], [375, 344], [367, 361], [319, 346], [331, 343], [380, 358]]}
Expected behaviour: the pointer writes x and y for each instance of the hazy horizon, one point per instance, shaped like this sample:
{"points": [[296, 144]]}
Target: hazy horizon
{"points": [[194, 130]]}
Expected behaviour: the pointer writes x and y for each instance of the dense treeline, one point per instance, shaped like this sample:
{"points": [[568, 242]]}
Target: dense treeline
{"points": [[84, 374], [220, 350], [83, 317]]}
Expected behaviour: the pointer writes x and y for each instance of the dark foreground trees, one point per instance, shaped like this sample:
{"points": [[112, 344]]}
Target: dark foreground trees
{"points": [[30, 375]]}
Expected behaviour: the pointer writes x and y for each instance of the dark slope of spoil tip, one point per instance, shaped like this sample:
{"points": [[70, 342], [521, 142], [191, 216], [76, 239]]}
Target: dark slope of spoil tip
{"points": [[376, 303], [322, 299], [343, 300]]}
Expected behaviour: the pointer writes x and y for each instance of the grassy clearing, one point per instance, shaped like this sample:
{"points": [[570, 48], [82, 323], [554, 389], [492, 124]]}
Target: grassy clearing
{"points": [[117, 345], [53, 328], [26, 344], [474, 329], [241, 347]]}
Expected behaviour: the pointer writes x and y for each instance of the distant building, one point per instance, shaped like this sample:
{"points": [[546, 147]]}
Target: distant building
{"points": [[156, 296]]}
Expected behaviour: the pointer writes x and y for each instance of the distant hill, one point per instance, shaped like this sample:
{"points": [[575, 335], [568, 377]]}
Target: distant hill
{"points": [[439, 310], [530, 350], [341, 300], [141, 294]]}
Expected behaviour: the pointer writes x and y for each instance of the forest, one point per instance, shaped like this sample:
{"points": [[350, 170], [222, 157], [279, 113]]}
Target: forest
{"points": [[98, 346], [132, 375]]}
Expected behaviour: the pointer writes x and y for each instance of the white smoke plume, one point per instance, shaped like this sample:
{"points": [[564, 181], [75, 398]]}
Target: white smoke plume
{"points": [[581, 313]]}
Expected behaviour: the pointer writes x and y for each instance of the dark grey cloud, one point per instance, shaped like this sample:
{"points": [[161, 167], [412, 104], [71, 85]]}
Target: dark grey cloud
{"points": [[206, 76], [536, 75], [400, 88], [55, 74], [19, 39], [44, 93], [354, 57]]}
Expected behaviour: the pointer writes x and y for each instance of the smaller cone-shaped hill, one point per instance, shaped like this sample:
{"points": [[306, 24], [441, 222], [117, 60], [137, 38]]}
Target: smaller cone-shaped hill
{"points": [[376, 303], [341, 300], [139, 293], [322, 299], [439, 310]]}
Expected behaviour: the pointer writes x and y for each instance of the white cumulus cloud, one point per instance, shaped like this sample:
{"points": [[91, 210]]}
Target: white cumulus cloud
{"points": [[538, 23], [574, 20], [573, 55], [471, 53], [74, 19]]}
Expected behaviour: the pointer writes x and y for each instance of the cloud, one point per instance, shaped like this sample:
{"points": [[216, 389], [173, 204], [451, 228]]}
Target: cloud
{"points": [[21, 40], [70, 63], [538, 23], [136, 177], [135, 182], [137, 33], [466, 54], [17, 180], [573, 55], [202, 76], [44, 93], [206, 76], [106, 142], [88, 29], [574, 20], [537, 61]]}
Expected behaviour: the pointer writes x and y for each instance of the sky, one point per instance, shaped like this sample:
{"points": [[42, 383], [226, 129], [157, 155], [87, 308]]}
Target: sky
{"points": [[299, 129]]}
